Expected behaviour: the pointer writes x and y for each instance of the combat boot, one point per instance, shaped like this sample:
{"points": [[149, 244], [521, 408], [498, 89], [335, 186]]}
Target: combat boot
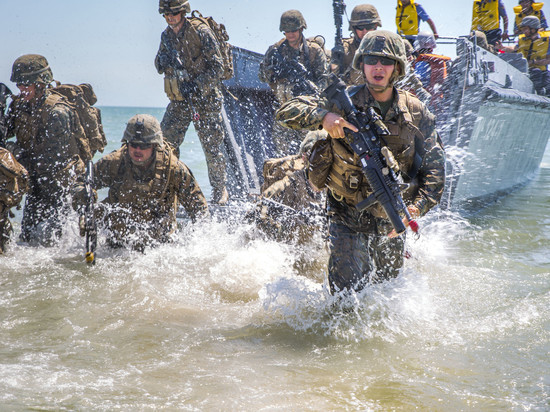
{"points": [[220, 196]]}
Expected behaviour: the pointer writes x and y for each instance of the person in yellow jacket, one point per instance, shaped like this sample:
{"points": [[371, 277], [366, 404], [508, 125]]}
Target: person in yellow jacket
{"points": [[534, 45], [486, 17], [408, 16], [529, 8]]}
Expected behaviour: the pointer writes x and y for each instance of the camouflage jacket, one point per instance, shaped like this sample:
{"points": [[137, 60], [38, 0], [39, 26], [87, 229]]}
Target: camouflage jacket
{"points": [[310, 55], [285, 181], [350, 76], [406, 119], [150, 194], [45, 141], [194, 53]]}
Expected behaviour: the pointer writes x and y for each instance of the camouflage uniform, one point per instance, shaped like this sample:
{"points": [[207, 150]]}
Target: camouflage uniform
{"points": [[13, 185], [313, 59], [45, 130], [193, 67], [363, 15], [360, 248], [289, 206], [141, 205]]}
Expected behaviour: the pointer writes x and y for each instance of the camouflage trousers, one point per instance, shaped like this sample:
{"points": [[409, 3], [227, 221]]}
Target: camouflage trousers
{"points": [[360, 250], [5, 227], [206, 116], [287, 141], [41, 223]]}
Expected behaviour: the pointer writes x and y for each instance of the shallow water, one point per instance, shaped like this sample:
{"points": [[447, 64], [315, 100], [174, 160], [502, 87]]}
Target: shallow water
{"points": [[218, 320]]}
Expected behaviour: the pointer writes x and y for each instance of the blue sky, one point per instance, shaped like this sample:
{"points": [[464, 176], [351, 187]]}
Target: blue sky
{"points": [[112, 43]]}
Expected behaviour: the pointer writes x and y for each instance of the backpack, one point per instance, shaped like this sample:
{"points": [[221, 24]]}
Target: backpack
{"points": [[14, 180], [220, 33], [81, 98]]}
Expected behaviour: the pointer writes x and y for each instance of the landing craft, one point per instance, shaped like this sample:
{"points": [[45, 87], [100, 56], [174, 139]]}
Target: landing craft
{"points": [[494, 127]]}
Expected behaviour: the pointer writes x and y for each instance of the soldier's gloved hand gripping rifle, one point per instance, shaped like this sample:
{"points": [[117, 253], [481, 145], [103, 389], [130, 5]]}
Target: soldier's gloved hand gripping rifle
{"points": [[366, 143], [90, 226]]}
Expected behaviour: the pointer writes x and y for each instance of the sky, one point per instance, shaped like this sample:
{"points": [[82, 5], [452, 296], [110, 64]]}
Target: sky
{"points": [[112, 43]]}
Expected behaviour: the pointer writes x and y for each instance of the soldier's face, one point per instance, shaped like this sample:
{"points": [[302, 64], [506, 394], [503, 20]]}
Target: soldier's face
{"points": [[28, 91], [173, 20], [140, 153], [293, 37], [378, 74]]}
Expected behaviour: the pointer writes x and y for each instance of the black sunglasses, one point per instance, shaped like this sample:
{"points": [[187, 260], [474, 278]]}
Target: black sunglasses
{"points": [[373, 60], [171, 14], [141, 146], [361, 28]]}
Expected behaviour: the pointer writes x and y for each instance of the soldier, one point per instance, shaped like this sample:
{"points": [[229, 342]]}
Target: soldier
{"points": [[293, 66], [486, 17], [360, 248], [45, 126], [534, 45], [529, 8], [190, 59], [408, 16], [364, 18], [146, 182], [13, 185]]}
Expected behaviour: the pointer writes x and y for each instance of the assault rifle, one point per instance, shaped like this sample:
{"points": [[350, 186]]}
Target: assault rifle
{"points": [[366, 143], [337, 53], [90, 226], [295, 72], [5, 92]]}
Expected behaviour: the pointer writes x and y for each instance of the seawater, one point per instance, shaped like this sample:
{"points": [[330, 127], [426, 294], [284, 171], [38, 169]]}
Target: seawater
{"points": [[222, 320]]}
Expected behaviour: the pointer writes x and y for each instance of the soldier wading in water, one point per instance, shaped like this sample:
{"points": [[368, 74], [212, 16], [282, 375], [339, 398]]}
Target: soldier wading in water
{"points": [[360, 249], [146, 183]]}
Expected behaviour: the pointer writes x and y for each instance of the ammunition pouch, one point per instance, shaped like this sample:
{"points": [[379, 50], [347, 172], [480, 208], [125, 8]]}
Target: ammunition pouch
{"points": [[171, 88]]}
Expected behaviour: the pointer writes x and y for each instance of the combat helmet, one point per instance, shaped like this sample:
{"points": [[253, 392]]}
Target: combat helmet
{"points": [[143, 128], [382, 43], [292, 20], [174, 6], [364, 14], [31, 68], [532, 22]]}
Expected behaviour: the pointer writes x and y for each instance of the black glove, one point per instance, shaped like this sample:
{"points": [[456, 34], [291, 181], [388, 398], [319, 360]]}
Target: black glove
{"points": [[187, 88]]}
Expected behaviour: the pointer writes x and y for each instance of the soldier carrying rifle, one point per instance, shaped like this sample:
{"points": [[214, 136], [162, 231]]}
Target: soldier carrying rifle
{"points": [[360, 249], [292, 67]]}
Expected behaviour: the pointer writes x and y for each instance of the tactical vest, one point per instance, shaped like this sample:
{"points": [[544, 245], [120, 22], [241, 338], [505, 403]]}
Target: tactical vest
{"points": [[189, 46], [346, 181], [537, 12], [152, 201], [406, 19], [485, 15], [284, 90], [534, 49], [14, 180]]}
